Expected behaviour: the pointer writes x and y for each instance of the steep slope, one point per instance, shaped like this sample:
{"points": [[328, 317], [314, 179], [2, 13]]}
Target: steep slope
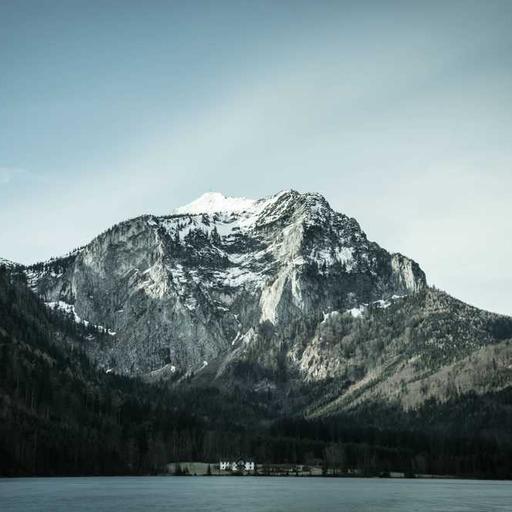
{"points": [[421, 347], [218, 276]]}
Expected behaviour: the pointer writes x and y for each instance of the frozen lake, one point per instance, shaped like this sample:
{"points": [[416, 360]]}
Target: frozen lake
{"points": [[258, 494]]}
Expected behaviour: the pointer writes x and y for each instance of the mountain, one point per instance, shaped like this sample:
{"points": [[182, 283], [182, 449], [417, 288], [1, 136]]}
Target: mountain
{"points": [[272, 327], [183, 289], [270, 293]]}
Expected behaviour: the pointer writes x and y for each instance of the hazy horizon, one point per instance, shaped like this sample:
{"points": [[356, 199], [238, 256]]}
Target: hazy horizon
{"points": [[399, 113]]}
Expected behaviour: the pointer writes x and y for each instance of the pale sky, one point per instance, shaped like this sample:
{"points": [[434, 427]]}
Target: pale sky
{"points": [[400, 113]]}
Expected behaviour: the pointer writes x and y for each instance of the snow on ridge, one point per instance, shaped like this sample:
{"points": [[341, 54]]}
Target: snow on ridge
{"points": [[331, 255], [357, 312], [70, 308], [161, 372], [215, 202], [381, 303], [228, 215], [7, 263]]}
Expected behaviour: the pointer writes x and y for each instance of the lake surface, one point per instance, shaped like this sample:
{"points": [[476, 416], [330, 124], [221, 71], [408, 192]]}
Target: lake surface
{"points": [[183, 494]]}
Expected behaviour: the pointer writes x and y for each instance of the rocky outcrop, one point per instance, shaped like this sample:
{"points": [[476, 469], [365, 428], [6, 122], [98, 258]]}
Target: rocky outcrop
{"points": [[406, 274]]}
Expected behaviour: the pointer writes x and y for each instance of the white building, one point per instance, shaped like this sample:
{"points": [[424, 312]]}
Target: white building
{"points": [[237, 466]]}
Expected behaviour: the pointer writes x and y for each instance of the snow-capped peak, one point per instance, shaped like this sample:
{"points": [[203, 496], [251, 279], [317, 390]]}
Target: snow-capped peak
{"points": [[224, 266], [215, 202]]}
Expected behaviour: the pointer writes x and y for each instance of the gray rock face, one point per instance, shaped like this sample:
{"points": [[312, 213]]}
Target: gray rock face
{"points": [[221, 279]]}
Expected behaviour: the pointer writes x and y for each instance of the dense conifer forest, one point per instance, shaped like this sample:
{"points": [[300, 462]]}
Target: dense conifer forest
{"points": [[60, 416]]}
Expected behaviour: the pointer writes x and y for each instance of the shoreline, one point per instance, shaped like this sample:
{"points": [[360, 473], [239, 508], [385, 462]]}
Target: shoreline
{"points": [[327, 477]]}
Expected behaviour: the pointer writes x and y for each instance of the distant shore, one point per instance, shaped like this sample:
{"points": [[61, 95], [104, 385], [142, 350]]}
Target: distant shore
{"points": [[292, 470]]}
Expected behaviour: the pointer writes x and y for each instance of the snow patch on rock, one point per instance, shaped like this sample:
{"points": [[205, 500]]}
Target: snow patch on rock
{"points": [[70, 309]]}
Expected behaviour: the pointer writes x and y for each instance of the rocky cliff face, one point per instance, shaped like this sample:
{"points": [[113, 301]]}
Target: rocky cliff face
{"points": [[219, 278]]}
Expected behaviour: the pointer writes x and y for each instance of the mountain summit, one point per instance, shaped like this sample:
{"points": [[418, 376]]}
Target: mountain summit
{"points": [[284, 287], [215, 202]]}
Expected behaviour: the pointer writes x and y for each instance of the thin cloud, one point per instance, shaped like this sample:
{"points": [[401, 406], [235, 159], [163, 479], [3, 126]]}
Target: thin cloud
{"points": [[11, 174]]}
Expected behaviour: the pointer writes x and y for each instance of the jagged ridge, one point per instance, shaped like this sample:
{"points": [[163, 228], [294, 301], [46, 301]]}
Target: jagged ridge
{"points": [[184, 289]]}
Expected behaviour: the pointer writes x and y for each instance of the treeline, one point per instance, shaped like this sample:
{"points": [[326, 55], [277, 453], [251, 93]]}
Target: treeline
{"points": [[467, 437]]}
